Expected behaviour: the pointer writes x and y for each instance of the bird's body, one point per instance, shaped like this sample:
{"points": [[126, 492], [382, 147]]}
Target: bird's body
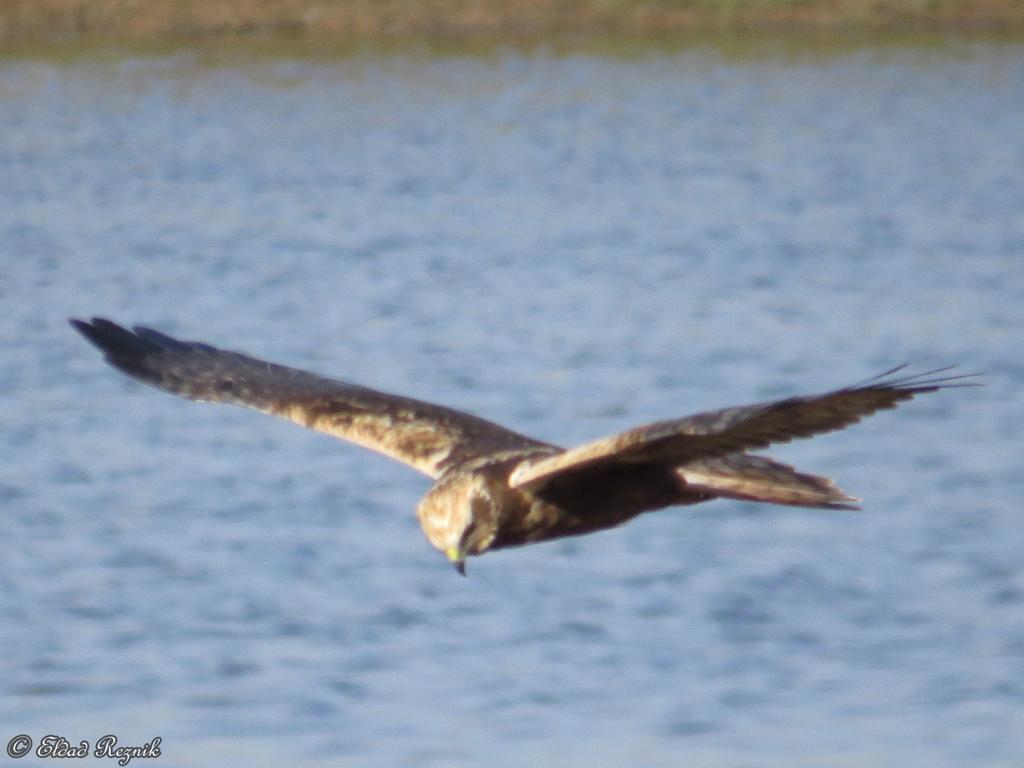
{"points": [[496, 488], [509, 516]]}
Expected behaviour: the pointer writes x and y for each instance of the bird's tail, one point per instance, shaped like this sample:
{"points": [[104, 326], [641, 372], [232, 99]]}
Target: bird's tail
{"points": [[758, 478]]}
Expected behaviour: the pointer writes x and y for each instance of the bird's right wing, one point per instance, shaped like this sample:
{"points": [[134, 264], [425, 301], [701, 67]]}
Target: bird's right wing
{"points": [[425, 436], [730, 430]]}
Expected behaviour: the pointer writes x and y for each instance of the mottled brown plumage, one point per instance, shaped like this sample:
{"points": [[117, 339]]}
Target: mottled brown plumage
{"points": [[496, 488]]}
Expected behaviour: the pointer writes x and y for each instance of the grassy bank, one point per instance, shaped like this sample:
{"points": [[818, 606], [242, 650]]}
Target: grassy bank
{"points": [[150, 20]]}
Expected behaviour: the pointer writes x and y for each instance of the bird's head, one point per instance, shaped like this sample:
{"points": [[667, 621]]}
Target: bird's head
{"points": [[458, 516]]}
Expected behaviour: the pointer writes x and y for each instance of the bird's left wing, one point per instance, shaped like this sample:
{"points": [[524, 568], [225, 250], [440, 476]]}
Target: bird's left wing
{"points": [[425, 436], [730, 430]]}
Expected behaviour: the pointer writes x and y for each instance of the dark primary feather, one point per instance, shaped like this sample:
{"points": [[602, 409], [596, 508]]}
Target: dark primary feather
{"points": [[731, 430], [426, 436]]}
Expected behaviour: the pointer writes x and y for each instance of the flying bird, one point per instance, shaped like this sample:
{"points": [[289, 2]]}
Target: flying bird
{"points": [[496, 488]]}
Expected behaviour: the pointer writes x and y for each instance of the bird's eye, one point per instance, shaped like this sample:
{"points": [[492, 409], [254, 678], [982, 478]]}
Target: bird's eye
{"points": [[467, 533]]}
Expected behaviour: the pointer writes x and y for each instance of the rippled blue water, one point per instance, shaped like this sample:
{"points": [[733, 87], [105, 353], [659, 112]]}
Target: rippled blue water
{"points": [[568, 243]]}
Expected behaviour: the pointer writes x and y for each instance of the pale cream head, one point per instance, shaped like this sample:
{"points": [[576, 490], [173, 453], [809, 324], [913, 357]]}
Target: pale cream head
{"points": [[453, 517]]}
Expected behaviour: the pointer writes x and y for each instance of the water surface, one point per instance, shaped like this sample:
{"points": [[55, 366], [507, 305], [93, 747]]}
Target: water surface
{"points": [[569, 243]]}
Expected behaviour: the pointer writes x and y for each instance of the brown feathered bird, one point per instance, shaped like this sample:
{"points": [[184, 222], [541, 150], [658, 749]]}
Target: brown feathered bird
{"points": [[496, 488]]}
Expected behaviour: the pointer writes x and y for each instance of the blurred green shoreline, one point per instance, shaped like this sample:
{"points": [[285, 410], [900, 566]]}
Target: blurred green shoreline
{"points": [[37, 22]]}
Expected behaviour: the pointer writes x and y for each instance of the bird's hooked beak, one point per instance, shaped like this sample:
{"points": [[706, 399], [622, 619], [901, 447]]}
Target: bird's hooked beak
{"points": [[458, 559]]}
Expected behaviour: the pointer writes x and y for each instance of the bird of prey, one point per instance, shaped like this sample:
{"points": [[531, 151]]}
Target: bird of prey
{"points": [[495, 488]]}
